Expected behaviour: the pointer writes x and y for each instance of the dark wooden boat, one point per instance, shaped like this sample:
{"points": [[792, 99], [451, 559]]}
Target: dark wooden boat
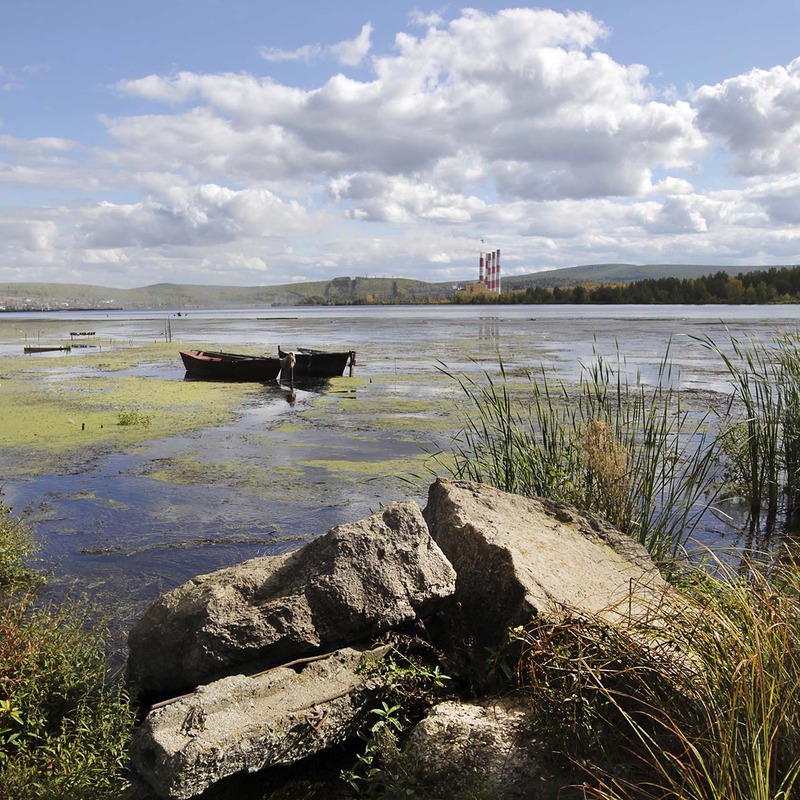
{"points": [[319, 363], [44, 348], [213, 365]]}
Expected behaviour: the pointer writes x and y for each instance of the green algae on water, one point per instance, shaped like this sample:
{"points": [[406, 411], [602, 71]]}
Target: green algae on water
{"points": [[49, 412]]}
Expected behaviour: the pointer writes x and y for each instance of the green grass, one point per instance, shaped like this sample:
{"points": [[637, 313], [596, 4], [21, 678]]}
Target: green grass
{"points": [[638, 454]]}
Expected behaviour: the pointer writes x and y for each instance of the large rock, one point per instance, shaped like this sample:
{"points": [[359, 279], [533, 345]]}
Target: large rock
{"points": [[518, 557], [349, 585], [246, 723]]}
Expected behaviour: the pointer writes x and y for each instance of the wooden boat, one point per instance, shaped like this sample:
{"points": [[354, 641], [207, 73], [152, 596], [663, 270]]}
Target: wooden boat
{"points": [[44, 348], [319, 363], [213, 365]]}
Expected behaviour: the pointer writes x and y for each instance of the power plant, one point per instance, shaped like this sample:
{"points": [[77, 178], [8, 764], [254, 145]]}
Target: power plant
{"points": [[489, 272]]}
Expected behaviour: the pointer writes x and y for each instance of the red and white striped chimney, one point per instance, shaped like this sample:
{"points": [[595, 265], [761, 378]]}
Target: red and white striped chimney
{"points": [[497, 273], [481, 277]]}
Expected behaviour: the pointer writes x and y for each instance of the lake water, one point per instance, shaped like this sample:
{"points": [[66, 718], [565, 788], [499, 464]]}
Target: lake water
{"points": [[279, 474]]}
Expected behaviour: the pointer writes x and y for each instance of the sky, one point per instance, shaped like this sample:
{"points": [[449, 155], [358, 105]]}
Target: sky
{"points": [[250, 142]]}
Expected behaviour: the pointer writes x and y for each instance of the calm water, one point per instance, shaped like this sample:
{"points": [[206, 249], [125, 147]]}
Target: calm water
{"points": [[117, 535]]}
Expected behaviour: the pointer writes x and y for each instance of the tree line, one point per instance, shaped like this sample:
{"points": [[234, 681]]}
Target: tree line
{"points": [[773, 285]]}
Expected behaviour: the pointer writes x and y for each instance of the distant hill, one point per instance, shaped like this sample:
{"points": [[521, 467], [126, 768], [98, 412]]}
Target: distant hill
{"points": [[56, 296], [63, 296]]}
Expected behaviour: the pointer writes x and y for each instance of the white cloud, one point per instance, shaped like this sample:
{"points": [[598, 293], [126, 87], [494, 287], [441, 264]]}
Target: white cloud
{"points": [[195, 216], [12, 78], [304, 53], [780, 199], [426, 19], [516, 94], [678, 215], [398, 199], [757, 116], [353, 51], [34, 235], [112, 256], [43, 145], [350, 52]]}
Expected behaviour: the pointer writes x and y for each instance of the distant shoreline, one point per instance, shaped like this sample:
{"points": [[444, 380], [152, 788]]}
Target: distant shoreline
{"points": [[35, 309], [663, 285]]}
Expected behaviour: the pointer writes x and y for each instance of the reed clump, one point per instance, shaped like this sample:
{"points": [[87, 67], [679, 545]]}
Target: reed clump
{"points": [[613, 446], [760, 437], [706, 707], [608, 480]]}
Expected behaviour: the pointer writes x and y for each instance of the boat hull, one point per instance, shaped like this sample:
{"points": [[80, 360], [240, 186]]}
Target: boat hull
{"points": [[209, 365], [318, 363]]}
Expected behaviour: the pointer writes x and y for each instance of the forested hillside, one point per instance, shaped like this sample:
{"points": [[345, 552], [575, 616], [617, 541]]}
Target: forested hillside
{"points": [[775, 285]]}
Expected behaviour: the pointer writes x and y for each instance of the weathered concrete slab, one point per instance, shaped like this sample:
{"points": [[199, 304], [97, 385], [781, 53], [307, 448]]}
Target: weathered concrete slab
{"points": [[241, 723], [481, 749], [517, 557], [347, 586]]}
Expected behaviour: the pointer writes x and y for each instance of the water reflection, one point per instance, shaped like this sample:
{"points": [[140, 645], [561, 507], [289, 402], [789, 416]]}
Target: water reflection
{"points": [[308, 384], [489, 328]]}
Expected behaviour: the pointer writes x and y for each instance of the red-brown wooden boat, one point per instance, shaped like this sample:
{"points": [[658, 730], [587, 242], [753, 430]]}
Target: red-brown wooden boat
{"points": [[213, 365]]}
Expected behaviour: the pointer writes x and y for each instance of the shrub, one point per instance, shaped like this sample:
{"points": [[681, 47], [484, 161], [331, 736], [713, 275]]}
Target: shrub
{"points": [[16, 545], [64, 723]]}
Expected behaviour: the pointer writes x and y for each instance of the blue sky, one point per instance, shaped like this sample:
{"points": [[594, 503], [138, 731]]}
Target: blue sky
{"points": [[244, 142]]}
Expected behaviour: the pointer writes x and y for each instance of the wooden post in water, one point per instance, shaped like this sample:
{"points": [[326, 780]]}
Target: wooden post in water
{"points": [[352, 362], [292, 396]]}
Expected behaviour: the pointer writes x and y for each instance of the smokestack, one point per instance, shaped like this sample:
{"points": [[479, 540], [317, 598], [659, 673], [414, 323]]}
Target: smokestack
{"points": [[481, 278], [490, 283], [497, 272]]}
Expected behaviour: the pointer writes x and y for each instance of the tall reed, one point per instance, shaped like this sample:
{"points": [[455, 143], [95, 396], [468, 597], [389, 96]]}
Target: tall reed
{"points": [[520, 447], [670, 450], [789, 348], [625, 450]]}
